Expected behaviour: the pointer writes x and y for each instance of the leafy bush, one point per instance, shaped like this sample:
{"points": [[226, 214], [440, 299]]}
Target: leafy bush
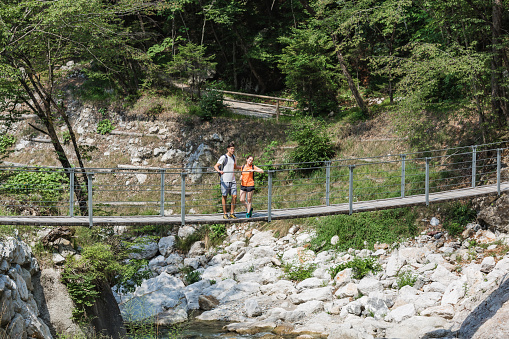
{"points": [[298, 272], [41, 186], [211, 105], [406, 278], [105, 126], [190, 275], [6, 141], [314, 145], [66, 137], [457, 215], [364, 229], [99, 263], [360, 266]]}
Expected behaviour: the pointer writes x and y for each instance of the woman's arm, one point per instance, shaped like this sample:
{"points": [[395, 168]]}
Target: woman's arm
{"points": [[257, 169]]}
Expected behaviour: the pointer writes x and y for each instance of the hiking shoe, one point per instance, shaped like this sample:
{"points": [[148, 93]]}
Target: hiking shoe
{"points": [[247, 215], [232, 216], [250, 212], [225, 216]]}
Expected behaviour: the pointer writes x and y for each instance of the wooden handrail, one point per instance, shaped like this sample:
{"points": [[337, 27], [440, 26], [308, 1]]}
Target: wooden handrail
{"points": [[254, 95]]}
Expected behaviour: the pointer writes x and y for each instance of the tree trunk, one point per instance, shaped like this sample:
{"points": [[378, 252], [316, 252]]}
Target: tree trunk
{"points": [[349, 79], [498, 97], [261, 83]]}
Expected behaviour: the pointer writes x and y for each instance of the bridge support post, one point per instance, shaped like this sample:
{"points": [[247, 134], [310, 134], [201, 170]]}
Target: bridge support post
{"points": [[350, 189], [269, 197], [499, 166], [426, 189], [327, 183], [183, 198], [474, 164], [403, 174], [162, 192], [277, 110], [90, 177], [71, 192]]}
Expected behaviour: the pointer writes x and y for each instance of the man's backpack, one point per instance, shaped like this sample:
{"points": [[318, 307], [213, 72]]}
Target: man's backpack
{"points": [[225, 161]]}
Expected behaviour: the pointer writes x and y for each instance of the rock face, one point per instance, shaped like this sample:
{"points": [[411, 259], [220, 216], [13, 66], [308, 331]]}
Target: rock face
{"points": [[20, 317], [496, 215], [54, 302]]}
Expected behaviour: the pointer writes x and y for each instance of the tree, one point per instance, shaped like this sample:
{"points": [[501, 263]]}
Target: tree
{"points": [[190, 61], [311, 73], [36, 37]]}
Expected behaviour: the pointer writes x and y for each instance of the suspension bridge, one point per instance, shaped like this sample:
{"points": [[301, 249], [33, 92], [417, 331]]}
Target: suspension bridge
{"points": [[155, 196]]}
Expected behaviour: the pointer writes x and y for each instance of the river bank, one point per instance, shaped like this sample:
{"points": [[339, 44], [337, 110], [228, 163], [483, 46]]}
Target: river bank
{"points": [[428, 286]]}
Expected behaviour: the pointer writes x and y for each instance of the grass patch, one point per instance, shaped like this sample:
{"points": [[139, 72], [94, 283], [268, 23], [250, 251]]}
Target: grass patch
{"points": [[406, 278], [360, 266], [298, 272], [363, 230]]}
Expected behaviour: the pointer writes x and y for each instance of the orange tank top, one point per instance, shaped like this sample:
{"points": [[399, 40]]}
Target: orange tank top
{"points": [[247, 178]]}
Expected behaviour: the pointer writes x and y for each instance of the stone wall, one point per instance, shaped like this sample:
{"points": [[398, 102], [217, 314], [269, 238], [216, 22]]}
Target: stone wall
{"points": [[20, 316]]}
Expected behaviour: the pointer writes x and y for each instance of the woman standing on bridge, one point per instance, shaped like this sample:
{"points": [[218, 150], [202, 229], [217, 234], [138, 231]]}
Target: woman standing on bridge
{"points": [[247, 185]]}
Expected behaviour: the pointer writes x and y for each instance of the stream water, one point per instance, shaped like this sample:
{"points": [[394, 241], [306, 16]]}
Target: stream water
{"points": [[214, 329]]}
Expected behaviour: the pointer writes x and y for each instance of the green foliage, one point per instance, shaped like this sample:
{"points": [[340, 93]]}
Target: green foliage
{"points": [[456, 216], [406, 278], [314, 145], [184, 244], [364, 229], [267, 158], [217, 231], [66, 137], [360, 267], [310, 70], [211, 105], [41, 186], [6, 141], [190, 61], [99, 262], [191, 276], [298, 272], [105, 126]]}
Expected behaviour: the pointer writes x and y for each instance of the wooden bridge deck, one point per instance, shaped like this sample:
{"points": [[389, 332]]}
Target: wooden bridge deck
{"points": [[262, 215]]}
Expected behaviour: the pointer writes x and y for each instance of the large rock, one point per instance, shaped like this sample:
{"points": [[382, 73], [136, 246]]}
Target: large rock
{"points": [[166, 245], [146, 248], [415, 327], [198, 161], [496, 215], [54, 303]]}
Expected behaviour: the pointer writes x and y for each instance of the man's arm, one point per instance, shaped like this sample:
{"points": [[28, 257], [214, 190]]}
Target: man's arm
{"points": [[216, 167]]}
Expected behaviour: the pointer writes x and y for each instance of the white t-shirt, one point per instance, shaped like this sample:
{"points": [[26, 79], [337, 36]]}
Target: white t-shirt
{"points": [[228, 175]]}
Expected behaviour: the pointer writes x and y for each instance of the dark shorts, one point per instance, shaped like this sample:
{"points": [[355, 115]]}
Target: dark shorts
{"points": [[228, 188], [247, 188]]}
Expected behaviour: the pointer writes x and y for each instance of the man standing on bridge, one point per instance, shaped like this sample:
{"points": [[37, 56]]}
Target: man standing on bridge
{"points": [[226, 166]]}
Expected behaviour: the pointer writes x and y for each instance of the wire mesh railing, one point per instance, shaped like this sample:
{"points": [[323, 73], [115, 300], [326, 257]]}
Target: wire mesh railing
{"points": [[178, 192]]}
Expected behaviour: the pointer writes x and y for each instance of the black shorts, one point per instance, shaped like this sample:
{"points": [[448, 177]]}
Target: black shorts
{"points": [[247, 188]]}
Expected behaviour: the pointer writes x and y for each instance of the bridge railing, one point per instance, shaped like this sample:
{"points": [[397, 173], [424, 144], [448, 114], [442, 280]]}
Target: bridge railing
{"points": [[171, 191]]}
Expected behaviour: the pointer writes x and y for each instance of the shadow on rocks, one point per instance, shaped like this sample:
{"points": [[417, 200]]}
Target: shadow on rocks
{"points": [[479, 316]]}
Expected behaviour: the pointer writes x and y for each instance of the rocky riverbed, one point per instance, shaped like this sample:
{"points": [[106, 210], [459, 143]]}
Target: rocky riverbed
{"points": [[432, 286]]}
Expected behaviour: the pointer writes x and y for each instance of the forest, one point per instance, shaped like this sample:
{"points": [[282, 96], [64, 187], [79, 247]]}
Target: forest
{"points": [[433, 62]]}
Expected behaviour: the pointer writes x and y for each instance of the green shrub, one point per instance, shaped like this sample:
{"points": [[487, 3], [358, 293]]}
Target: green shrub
{"points": [[191, 275], [360, 266], [99, 263], [298, 272], [406, 278], [40, 186], [66, 137], [456, 216], [6, 141], [314, 145], [105, 126], [211, 105], [364, 229]]}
